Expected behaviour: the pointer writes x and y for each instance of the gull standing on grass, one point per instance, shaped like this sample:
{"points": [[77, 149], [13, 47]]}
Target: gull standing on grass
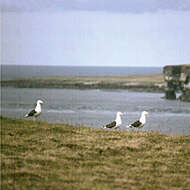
{"points": [[115, 124], [139, 123], [37, 111]]}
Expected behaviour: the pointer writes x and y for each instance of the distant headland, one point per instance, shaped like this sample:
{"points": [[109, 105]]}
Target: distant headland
{"points": [[175, 78], [141, 83]]}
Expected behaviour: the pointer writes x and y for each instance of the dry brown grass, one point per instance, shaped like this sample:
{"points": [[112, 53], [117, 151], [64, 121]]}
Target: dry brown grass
{"points": [[39, 155]]}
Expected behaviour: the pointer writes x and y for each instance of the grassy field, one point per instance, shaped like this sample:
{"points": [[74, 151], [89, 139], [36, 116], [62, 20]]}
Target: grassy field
{"points": [[149, 82], [45, 156]]}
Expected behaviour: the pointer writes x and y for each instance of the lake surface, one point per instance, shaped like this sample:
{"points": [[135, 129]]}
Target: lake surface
{"points": [[96, 108]]}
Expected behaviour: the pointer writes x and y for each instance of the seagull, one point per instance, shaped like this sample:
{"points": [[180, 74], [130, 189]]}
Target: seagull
{"points": [[139, 123], [35, 112], [117, 123]]}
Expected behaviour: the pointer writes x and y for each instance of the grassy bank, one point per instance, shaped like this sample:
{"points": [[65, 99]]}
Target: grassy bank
{"points": [[39, 155], [150, 82]]}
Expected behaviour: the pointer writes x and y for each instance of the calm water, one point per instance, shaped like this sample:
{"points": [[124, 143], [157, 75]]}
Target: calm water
{"points": [[98, 107], [11, 72]]}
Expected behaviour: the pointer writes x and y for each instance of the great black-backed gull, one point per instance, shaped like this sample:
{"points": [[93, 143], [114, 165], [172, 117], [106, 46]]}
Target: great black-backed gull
{"points": [[37, 111], [139, 123], [117, 123]]}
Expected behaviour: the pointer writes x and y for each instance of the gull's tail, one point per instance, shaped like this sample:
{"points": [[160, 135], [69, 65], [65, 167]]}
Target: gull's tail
{"points": [[129, 126], [26, 116]]}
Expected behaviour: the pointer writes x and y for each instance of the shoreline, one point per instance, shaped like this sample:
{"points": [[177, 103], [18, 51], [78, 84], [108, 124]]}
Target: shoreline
{"points": [[140, 83]]}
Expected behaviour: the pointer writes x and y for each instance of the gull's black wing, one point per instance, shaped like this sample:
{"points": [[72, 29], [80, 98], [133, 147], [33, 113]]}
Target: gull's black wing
{"points": [[111, 125], [136, 124], [32, 113]]}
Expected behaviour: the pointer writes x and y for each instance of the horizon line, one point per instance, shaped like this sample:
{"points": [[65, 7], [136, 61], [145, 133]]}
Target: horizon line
{"points": [[80, 65]]}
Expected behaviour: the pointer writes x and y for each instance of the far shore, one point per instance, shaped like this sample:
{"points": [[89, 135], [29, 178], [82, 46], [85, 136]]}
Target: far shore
{"points": [[141, 83]]}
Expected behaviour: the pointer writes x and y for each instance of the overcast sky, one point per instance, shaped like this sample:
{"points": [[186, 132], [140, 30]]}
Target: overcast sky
{"points": [[95, 32]]}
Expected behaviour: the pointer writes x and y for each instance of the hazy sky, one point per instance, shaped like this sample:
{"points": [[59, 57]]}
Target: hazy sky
{"points": [[95, 32]]}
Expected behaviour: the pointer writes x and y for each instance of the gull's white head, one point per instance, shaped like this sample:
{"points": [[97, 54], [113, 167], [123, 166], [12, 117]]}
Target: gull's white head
{"points": [[145, 113], [119, 113], [40, 102]]}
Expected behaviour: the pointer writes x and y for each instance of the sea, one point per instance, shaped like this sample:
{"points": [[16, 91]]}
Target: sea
{"points": [[94, 107], [21, 71]]}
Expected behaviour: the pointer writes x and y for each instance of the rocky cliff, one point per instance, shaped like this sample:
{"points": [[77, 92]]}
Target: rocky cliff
{"points": [[177, 79]]}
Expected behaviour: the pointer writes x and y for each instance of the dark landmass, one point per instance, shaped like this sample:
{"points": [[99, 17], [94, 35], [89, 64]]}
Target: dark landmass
{"points": [[148, 83], [177, 79]]}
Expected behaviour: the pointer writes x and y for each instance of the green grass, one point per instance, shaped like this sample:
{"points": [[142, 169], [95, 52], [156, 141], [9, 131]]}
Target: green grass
{"points": [[39, 155], [148, 82]]}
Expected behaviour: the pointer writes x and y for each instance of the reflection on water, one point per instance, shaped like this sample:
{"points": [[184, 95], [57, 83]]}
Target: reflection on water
{"points": [[95, 108]]}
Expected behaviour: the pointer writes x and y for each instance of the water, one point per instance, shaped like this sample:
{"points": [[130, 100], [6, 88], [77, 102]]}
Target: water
{"points": [[13, 71], [96, 108]]}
